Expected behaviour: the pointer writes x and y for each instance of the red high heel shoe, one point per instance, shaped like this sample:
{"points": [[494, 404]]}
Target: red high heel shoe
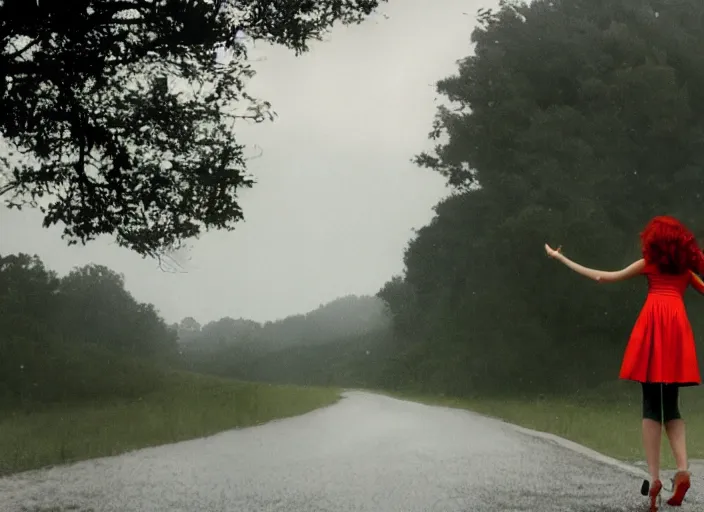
{"points": [[681, 486], [654, 494]]}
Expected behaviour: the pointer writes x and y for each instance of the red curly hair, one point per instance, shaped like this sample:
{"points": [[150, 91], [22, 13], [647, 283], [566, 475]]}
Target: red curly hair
{"points": [[668, 244]]}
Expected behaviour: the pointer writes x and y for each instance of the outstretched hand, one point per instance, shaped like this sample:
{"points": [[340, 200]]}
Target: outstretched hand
{"points": [[552, 253]]}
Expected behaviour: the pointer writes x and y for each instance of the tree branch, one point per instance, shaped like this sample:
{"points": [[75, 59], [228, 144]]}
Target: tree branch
{"points": [[24, 48], [7, 188]]}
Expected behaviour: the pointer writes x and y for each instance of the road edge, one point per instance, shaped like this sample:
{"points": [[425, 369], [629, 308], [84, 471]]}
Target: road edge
{"points": [[545, 436], [580, 449]]}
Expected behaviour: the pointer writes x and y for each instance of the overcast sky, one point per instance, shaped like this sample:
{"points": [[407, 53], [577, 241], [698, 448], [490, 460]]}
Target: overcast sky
{"points": [[337, 197]]}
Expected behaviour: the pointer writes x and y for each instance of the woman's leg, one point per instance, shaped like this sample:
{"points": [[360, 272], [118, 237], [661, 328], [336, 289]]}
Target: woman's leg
{"points": [[652, 432], [652, 427], [674, 426]]}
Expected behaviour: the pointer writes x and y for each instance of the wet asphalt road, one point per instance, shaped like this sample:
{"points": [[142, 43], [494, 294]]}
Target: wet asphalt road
{"points": [[368, 453]]}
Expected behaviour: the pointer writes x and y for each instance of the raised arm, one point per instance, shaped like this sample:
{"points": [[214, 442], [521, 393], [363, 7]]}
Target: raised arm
{"points": [[696, 282], [601, 276]]}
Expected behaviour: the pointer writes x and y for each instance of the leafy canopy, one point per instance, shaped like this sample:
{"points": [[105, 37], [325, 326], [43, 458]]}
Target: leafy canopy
{"points": [[117, 116], [574, 122]]}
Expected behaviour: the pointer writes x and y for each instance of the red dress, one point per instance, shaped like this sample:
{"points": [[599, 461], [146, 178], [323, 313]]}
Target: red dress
{"points": [[661, 348]]}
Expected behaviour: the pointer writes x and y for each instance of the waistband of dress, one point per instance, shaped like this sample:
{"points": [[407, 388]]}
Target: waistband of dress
{"points": [[665, 293]]}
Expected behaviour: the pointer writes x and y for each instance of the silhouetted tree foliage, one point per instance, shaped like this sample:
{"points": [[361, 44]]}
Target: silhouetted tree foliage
{"points": [[118, 115], [574, 122], [75, 337]]}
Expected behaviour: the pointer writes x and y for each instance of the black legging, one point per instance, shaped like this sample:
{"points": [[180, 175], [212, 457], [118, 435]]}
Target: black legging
{"points": [[661, 400]]}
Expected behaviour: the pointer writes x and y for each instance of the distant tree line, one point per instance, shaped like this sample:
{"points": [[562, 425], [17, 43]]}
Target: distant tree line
{"points": [[344, 342], [343, 317], [83, 336]]}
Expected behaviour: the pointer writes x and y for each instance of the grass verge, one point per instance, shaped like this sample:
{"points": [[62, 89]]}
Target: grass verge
{"points": [[185, 406], [607, 420]]}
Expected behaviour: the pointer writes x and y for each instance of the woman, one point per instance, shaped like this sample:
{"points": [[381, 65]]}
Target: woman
{"points": [[660, 353]]}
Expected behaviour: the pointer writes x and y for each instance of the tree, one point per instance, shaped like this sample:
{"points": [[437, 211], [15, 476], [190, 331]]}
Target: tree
{"points": [[188, 330], [227, 331], [77, 337], [400, 302], [119, 115], [574, 121], [97, 309], [28, 293]]}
